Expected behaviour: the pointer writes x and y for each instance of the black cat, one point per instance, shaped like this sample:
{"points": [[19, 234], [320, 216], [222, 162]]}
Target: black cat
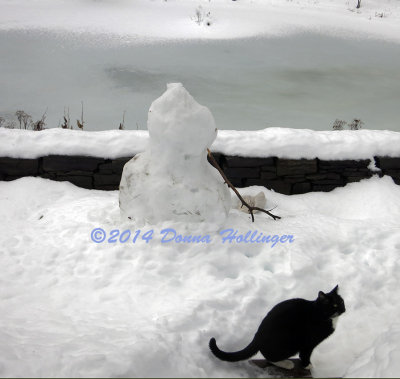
{"points": [[291, 327]]}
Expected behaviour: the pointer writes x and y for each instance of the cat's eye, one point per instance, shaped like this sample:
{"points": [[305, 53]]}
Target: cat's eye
{"points": [[335, 305]]}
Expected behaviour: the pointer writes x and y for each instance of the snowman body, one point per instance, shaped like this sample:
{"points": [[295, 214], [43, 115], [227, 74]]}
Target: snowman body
{"points": [[172, 179]]}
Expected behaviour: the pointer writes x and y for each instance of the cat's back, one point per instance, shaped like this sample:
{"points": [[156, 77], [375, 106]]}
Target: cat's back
{"points": [[288, 314]]}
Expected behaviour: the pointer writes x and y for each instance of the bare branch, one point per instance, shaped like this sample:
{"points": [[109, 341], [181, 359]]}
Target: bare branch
{"points": [[39, 124], [67, 120], [122, 124], [249, 207]]}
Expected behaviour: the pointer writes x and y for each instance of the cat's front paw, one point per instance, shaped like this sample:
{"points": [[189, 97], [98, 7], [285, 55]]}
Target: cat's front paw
{"points": [[308, 367]]}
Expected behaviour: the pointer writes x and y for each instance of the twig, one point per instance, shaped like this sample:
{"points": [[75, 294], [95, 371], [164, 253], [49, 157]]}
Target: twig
{"points": [[122, 124], [80, 123], [249, 207]]}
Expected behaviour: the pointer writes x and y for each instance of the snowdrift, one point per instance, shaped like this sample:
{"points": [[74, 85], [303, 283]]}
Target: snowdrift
{"points": [[73, 307]]}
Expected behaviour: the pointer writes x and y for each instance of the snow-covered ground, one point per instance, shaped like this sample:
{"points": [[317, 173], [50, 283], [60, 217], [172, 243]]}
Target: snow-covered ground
{"points": [[298, 64], [148, 20], [72, 307]]}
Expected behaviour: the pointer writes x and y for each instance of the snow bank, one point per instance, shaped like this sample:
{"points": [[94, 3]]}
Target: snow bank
{"points": [[172, 179], [382, 359], [146, 20], [279, 142], [72, 307]]}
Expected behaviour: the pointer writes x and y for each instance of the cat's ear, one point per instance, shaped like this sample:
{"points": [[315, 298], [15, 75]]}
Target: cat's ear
{"points": [[336, 289]]}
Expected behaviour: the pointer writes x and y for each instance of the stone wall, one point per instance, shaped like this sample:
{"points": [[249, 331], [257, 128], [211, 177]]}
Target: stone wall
{"points": [[287, 176]]}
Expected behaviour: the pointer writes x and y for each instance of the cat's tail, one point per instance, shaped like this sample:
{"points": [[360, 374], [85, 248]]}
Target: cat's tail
{"points": [[246, 353]]}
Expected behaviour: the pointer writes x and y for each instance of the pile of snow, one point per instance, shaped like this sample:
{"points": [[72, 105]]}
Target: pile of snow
{"points": [[270, 142], [172, 179], [148, 20], [72, 307], [382, 359]]}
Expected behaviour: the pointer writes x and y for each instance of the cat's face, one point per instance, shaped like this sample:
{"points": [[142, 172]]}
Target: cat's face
{"points": [[331, 303]]}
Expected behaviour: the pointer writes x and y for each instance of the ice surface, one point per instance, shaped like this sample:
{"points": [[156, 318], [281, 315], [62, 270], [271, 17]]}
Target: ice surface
{"points": [[171, 179], [72, 307], [312, 61]]}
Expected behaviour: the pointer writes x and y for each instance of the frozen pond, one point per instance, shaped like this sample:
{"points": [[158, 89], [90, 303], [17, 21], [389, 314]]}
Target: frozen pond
{"points": [[303, 81]]}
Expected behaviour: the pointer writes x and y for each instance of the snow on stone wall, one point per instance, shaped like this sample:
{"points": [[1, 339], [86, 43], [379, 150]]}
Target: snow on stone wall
{"points": [[271, 142]]}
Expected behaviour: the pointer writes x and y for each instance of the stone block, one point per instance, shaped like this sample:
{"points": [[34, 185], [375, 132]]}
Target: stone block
{"points": [[119, 163], [217, 156], [19, 167], [299, 188], [242, 172], [388, 163], [296, 166], [268, 175], [234, 161], [340, 164], [280, 186], [106, 180], [106, 168], [294, 178], [329, 178], [269, 168], [350, 169], [64, 163], [317, 176], [74, 173], [357, 174]]}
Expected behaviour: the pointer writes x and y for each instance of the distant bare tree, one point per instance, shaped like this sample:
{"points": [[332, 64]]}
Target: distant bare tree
{"points": [[2, 121], [24, 119], [19, 115], [10, 124]]}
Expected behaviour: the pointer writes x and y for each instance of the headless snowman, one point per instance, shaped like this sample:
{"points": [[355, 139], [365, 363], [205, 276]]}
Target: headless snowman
{"points": [[171, 179]]}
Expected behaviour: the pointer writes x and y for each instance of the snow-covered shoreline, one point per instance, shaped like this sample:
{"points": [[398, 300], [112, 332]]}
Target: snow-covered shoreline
{"points": [[177, 20], [277, 142]]}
